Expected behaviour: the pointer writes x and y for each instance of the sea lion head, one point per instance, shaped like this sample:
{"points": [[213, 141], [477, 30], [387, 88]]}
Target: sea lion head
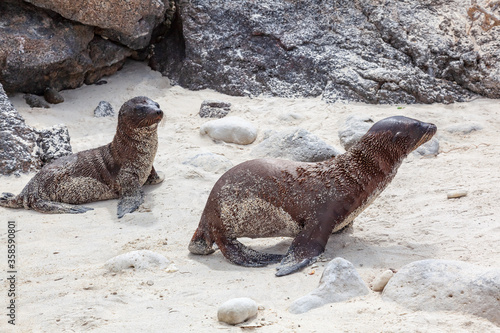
{"points": [[139, 112], [402, 134]]}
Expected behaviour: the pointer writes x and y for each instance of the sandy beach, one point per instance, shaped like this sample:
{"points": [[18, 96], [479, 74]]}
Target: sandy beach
{"points": [[63, 285]]}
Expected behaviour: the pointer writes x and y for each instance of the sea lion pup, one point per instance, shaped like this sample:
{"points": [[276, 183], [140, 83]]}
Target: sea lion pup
{"points": [[116, 170], [307, 201]]}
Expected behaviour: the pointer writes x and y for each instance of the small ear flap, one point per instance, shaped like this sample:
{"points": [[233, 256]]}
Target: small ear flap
{"points": [[397, 136]]}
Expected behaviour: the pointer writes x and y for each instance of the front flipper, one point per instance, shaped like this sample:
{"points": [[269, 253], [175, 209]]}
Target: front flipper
{"points": [[130, 202], [242, 255], [291, 263], [52, 207], [305, 249]]}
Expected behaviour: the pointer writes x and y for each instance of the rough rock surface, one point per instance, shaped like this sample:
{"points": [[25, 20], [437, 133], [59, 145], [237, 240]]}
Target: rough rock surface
{"points": [[23, 148], [53, 143], [41, 49], [130, 22], [35, 102], [53, 96], [372, 51], [237, 310], [230, 130], [17, 140], [295, 144], [214, 109], [445, 285], [340, 281], [104, 109]]}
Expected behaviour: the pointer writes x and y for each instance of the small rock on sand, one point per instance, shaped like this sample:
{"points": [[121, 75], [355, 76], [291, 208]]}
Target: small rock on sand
{"points": [[53, 96], [214, 109], [456, 194], [104, 109], [237, 310], [380, 282], [35, 102], [141, 259], [230, 130]]}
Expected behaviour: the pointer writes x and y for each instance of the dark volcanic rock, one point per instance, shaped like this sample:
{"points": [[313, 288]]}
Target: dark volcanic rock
{"points": [[130, 22], [35, 101], [53, 96], [214, 109], [23, 148], [41, 49], [378, 52]]}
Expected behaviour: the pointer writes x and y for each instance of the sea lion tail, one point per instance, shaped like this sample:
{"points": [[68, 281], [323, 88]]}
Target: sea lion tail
{"points": [[10, 200]]}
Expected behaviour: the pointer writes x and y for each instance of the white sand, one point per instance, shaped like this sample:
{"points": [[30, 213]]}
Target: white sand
{"points": [[64, 287]]}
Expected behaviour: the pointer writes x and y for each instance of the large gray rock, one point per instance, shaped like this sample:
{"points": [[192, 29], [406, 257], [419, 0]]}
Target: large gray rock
{"points": [[355, 126], [40, 49], [23, 148], [340, 282], [377, 52], [445, 285], [128, 22], [17, 140], [295, 144]]}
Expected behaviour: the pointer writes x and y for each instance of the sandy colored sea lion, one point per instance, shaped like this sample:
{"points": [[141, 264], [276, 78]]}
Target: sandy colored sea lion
{"points": [[116, 170], [307, 201]]}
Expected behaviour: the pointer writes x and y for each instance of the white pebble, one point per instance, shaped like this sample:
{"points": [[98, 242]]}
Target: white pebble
{"points": [[231, 130], [456, 194], [237, 310], [380, 282], [141, 259]]}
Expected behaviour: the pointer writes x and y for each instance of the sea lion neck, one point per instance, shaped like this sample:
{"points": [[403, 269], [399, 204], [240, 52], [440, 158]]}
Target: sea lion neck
{"points": [[382, 152], [139, 140]]}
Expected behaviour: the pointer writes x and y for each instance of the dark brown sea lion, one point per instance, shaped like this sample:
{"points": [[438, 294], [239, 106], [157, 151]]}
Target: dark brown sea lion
{"points": [[307, 201], [116, 170]]}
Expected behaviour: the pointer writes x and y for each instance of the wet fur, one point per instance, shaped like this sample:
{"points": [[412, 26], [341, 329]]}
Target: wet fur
{"points": [[307, 201], [116, 170]]}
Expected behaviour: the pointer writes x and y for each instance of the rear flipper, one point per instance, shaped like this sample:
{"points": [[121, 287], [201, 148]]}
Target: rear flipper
{"points": [[10, 200], [242, 255], [129, 203], [52, 207]]}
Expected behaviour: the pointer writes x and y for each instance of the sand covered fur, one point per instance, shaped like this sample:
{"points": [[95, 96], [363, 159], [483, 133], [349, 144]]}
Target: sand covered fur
{"points": [[64, 285]]}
